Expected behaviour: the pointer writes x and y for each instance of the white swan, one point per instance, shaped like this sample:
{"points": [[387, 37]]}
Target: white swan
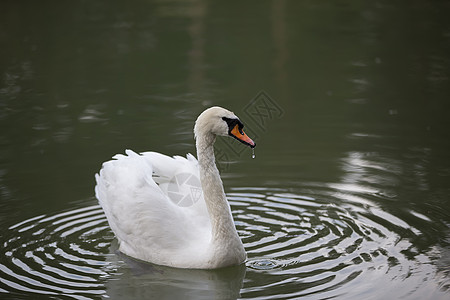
{"points": [[160, 212]]}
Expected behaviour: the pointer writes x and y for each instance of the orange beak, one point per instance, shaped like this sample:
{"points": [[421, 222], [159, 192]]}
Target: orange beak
{"points": [[240, 135]]}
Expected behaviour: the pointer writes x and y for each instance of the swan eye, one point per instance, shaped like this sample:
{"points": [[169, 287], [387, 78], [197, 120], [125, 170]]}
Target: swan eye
{"points": [[232, 123]]}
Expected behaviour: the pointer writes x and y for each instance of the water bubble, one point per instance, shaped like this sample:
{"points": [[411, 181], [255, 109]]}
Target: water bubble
{"points": [[253, 153], [264, 264]]}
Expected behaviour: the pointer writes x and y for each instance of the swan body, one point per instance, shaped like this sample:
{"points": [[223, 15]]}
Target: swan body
{"points": [[173, 210]]}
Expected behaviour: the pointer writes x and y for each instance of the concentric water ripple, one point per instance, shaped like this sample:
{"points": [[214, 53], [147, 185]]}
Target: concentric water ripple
{"points": [[63, 254], [318, 244], [308, 244]]}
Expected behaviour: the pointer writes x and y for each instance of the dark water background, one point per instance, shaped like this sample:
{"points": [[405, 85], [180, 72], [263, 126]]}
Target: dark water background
{"points": [[348, 196]]}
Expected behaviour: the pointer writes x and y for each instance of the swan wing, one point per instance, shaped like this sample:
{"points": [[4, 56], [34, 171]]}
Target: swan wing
{"points": [[179, 179], [137, 193]]}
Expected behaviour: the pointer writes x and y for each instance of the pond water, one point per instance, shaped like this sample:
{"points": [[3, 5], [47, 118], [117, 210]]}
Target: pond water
{"points": [[347, 197]]}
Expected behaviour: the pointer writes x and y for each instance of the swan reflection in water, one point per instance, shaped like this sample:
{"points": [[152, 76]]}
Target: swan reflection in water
{"points": [[148, 281]]}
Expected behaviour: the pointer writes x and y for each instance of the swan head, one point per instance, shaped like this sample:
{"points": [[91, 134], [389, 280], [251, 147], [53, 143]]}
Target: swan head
{"points": [[220, 121]]}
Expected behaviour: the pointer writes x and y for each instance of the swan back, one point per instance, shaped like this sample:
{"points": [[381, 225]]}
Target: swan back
{"points": [[150, 224]]}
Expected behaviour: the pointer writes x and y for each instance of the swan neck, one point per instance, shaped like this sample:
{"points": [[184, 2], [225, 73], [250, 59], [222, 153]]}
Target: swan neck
{"points": [[219, 210], [205, 149]]}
